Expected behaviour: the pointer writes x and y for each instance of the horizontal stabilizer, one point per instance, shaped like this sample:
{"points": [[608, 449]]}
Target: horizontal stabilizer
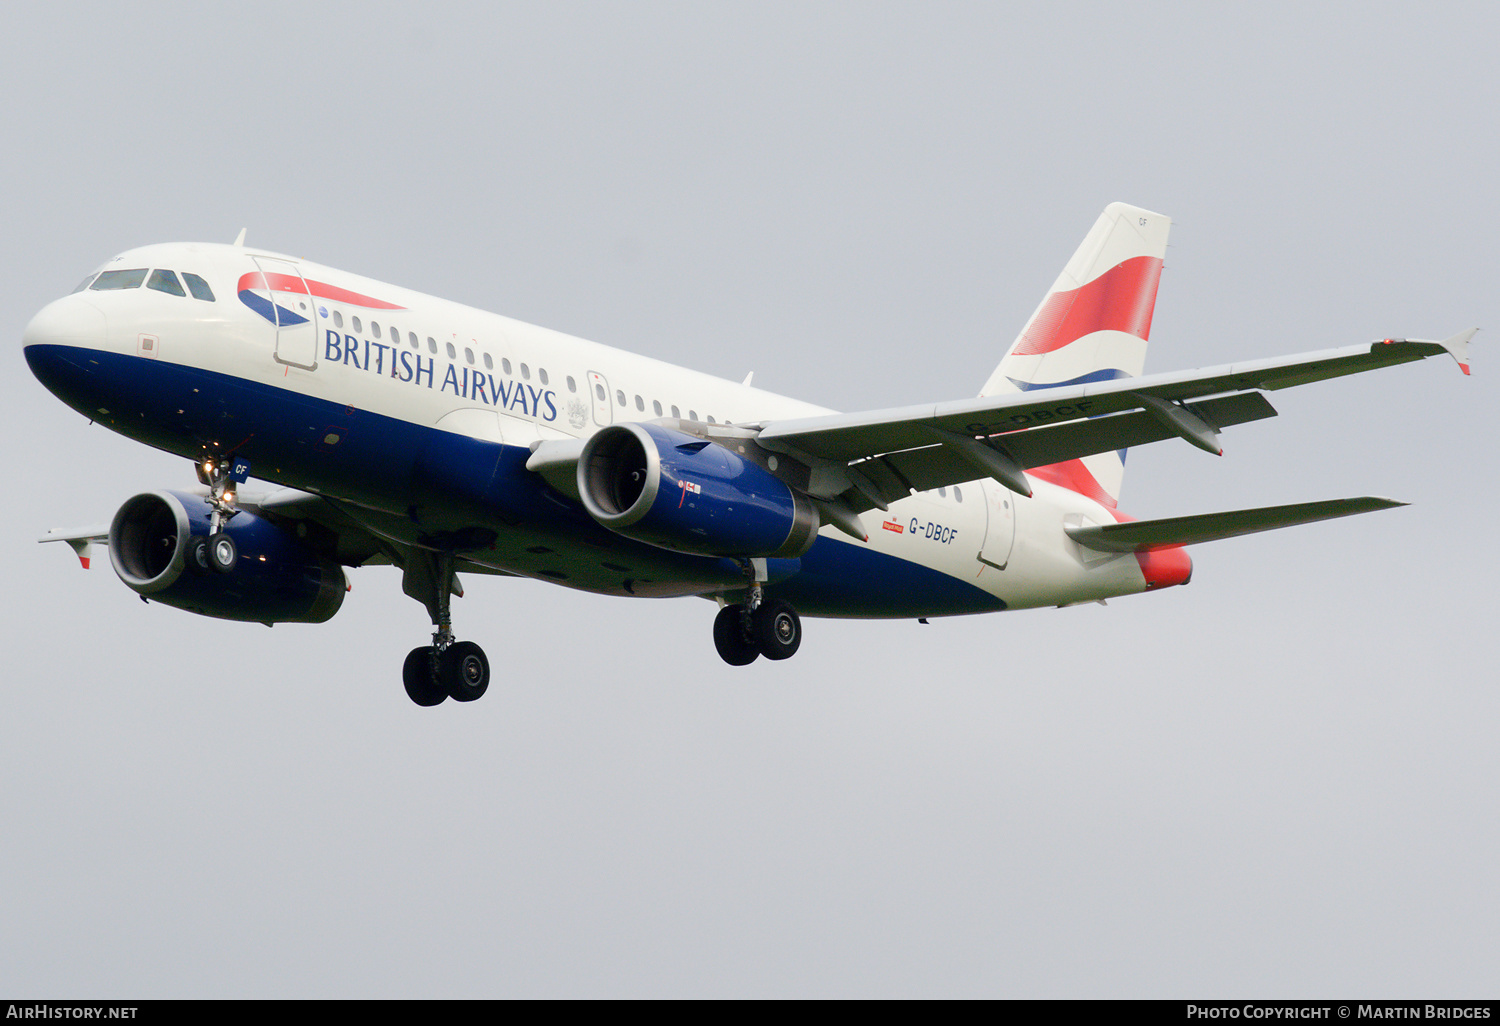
{"points": [[80, 539], [1145, 535]]}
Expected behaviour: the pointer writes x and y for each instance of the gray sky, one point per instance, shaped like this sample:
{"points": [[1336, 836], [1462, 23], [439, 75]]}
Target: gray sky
{"points": [[1280, 780]]}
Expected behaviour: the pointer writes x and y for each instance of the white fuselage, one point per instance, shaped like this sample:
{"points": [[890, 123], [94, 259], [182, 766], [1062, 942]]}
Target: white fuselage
{"points": [[417, 360]]}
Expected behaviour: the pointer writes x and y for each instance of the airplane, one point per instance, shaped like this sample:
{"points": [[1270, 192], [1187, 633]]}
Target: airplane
{"points": [[402, 429]]}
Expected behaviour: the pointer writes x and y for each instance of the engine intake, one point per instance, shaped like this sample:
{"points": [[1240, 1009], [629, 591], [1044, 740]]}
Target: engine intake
{"points": [[675, 491], [277, 579]]}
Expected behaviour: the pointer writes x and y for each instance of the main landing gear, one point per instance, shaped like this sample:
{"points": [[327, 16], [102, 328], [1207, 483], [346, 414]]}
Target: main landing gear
{"points": [[758, 626], [447, 668]]}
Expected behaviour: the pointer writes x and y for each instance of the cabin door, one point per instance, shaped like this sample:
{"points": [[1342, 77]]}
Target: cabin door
{"points": [[1000, 530], [599, 394], [292, 310]]}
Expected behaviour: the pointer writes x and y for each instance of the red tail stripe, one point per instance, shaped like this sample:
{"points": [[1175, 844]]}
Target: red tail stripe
{"points": [[1075, 477], [1123, 298]]}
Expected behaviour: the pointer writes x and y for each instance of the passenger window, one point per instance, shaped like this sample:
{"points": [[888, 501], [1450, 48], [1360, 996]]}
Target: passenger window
{"points": [[375, 328], [411, 336], [711, 419], [452, 353], [958, 494], [488, 363], [166, 281], [599, 390], [541, 373], [338, 319], [525, 372], [83, 284], [572, 385], [692, 414], [656, 405], [943, 492], [355, 322], [640, 404], [431, 344], [676, 414], [469, 355], [109, 281], [505, 366], [198, 287], [620, 397]]}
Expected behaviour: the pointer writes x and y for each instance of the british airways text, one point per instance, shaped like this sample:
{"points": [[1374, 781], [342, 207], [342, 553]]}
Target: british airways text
{"points": [[404, 365]]}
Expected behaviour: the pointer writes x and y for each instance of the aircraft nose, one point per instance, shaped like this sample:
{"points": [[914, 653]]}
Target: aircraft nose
{"points": [[70, 321], [57, 341]]}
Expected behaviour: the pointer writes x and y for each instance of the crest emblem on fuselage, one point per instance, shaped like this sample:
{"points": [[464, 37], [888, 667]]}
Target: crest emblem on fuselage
{"points": [[578, 413]]}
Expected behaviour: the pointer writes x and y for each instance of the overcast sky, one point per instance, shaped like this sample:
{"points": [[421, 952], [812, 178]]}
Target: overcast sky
{"points": [[1280, 780]]}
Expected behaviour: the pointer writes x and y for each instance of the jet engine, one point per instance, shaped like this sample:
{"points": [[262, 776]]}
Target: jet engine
{"points": [[275, 579], [675, 491]]}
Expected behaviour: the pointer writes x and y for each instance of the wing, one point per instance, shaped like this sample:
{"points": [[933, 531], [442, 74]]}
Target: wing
{"points": [[870, 459]]}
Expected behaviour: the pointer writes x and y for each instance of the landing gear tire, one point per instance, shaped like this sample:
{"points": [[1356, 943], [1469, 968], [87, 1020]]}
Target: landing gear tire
{"points": [[416, 674], [196, 554], [464, 671], [223, 554], [729, 637], [777, 629]]}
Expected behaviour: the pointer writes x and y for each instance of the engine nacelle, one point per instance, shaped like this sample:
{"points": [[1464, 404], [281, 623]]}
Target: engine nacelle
{"points": [[675, 491], [276, 579]]}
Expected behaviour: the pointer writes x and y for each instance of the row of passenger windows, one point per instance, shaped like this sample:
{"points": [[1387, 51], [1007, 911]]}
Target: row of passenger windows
{"points": [[640, 404], [162, 280], [393, 334]]}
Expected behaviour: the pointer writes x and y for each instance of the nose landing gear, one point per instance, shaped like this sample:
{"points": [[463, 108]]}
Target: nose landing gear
{"points": [[218, 551]]}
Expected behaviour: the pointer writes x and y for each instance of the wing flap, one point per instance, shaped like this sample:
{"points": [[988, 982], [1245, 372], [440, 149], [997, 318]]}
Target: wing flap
{"points": [[1042, 446], [1146, 535], [936, 466]]}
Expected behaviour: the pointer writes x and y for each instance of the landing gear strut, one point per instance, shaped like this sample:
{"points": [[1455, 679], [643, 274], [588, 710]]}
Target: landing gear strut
{"points": [[218, 551], [448, 668], [758, 626]]}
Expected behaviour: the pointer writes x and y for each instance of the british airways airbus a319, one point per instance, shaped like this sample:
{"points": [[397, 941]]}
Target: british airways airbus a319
{"points": [[403, 429]]}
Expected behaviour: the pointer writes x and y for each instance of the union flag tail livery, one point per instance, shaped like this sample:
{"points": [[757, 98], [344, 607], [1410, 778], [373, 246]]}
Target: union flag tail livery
{"points": [[1093, 325], [399, 428]]}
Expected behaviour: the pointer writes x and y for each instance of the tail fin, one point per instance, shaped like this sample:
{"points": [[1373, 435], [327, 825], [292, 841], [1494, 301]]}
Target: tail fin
{"points": [[1095, 321]]}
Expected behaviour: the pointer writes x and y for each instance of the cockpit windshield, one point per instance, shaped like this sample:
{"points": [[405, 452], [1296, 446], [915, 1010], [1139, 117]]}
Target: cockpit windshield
{"points": [[162, 280], [198, 287], [165, 281], [111, 280]]}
